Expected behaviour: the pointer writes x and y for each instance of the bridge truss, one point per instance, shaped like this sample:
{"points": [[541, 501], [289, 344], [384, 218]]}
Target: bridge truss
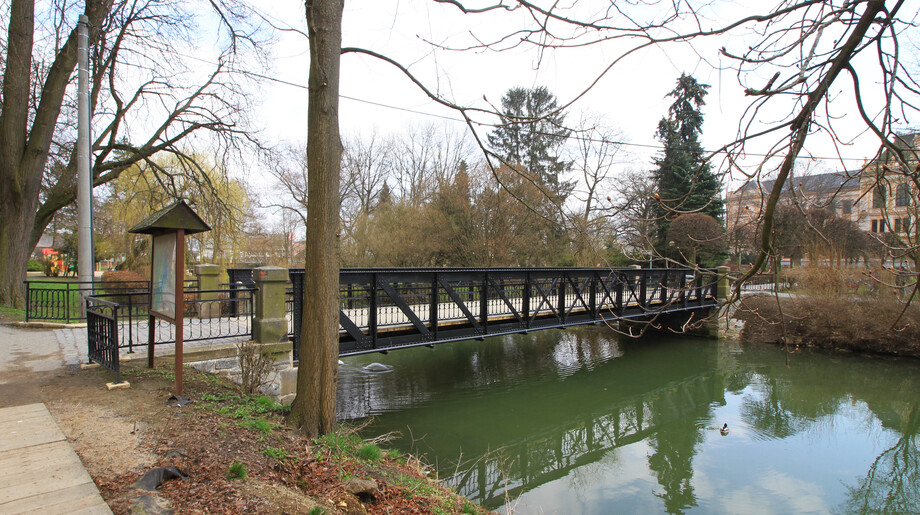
{"points": [[384, 309]]}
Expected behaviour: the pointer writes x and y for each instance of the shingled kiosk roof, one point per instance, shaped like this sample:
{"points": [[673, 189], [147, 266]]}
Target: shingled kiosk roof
{"points": [[170, 219]]}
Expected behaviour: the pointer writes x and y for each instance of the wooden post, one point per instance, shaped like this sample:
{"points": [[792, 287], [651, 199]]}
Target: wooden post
{"points": [[151, 336], [180, 305]]}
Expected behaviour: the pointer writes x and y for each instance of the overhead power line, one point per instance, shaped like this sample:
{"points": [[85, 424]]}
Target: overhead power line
{"points": [[576, 137]]}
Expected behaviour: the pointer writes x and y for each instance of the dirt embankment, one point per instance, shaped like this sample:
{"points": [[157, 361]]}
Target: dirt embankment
{"points": [[235, 449], [861, 324]]}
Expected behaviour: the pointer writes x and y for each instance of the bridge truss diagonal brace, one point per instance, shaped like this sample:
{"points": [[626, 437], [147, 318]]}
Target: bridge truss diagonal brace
{"points": [[501, 294], [406, 309], [579, 290], [353, 330], [633, 288], [607, 296], [460, 304], [544, 300]]}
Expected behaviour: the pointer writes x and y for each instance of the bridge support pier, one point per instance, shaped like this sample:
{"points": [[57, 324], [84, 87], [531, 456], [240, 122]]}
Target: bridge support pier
{"points": [[269, 324]]}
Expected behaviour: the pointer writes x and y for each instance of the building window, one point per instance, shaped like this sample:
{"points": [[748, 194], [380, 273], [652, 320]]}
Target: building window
{"points": [[902, 195], [878, 197], [902, 224], [847, 206], [874, 225], [897, 225]]}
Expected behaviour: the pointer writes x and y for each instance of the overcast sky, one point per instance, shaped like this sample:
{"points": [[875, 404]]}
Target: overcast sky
{"points": [[631, 97]]}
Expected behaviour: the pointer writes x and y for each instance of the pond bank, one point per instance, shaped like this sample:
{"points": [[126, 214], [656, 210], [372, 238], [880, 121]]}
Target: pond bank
{"points": [[878, 325]]}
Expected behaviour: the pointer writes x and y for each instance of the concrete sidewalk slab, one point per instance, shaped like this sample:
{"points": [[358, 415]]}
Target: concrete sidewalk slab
{"points": [[39, 471]]}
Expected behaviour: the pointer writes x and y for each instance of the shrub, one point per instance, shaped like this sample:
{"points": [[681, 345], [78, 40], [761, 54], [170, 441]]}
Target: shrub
{"points": [[124, 280], [820, 281], [50, 268], [236, 471], [254, 366], [856, 323], [35, 265]]}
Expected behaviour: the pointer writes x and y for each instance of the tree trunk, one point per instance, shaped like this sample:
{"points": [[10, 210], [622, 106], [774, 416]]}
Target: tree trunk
{"points": [[313, 410], [15, 188], [14, 253], [24, 148]]}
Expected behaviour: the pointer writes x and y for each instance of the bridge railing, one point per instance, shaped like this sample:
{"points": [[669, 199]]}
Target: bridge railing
{"points": [[384, 309]]}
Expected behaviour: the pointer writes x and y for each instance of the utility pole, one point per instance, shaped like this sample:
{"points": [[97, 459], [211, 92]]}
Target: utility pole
{"points": [[85, 261]]}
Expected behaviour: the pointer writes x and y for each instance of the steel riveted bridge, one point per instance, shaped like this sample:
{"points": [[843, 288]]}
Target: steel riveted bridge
{"points": [[385, 309]]}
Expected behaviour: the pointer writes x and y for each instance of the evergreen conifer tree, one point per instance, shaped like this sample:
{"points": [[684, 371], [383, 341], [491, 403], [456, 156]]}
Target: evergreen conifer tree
{"points": [[684, 180], [531, 135]]}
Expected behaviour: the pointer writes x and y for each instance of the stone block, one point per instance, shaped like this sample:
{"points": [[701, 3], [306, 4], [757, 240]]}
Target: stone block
{"points": [[269, 330], [288, 381], [225, 364]]}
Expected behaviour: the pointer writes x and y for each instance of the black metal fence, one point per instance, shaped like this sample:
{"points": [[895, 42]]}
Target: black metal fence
{"points": [[102, 333], [762, 282], [239, 278], [385, 309], [62, 301], [208, 315]]}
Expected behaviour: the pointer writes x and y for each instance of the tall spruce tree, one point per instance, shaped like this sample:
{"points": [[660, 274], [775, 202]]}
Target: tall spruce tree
{"points": [[684, 180], [531, 135]]}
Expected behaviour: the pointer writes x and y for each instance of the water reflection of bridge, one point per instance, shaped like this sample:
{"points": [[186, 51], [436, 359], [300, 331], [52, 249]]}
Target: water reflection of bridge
{"points": [[521, 466]]}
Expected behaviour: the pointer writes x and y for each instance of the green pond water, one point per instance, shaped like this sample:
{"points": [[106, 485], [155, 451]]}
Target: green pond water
{"points": [[585, 421]]}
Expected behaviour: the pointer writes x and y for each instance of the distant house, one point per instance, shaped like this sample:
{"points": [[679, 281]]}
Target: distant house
{"points": [[891, 198], [837, 191], [47, 246]]}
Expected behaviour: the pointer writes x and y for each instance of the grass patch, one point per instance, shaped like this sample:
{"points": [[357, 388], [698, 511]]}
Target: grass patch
{"points": [[250, 411], [242, 406], [258, 424], [369, 452], [152, 373], [276, 454], [316, 510], [11, 314], [236, 471]]}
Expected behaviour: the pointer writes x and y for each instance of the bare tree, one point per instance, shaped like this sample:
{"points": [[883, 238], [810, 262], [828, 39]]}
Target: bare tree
{"points": [[138, 81], [425, 158], [632, 204], [596, 151]]}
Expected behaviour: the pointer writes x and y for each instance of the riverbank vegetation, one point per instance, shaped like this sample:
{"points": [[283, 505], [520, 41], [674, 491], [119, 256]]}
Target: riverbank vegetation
{"points": [[857, 309], [235, 449]]}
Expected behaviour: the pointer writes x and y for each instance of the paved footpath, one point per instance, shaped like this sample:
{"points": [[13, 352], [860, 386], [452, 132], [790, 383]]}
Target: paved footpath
{"points": [[39, 471]]}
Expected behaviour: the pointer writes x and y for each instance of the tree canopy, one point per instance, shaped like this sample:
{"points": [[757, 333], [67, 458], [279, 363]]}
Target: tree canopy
{"points": [[143, 97]]}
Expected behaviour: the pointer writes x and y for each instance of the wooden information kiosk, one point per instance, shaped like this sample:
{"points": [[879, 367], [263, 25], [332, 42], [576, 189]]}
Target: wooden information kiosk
{"points": [[169, 227]]}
